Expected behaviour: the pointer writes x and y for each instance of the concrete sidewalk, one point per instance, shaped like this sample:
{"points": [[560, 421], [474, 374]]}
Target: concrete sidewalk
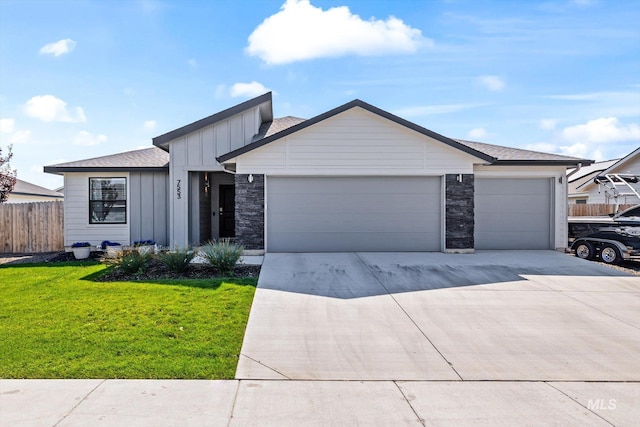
{"points": [[48, 403]]}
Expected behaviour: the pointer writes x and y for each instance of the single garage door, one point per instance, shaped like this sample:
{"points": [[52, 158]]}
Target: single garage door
{"points": [[513, 213], [344, 214]]}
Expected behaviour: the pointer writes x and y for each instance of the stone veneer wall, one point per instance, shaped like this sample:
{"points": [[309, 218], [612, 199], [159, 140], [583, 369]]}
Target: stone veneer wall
{"points": [[250, 211], [459, 213]]}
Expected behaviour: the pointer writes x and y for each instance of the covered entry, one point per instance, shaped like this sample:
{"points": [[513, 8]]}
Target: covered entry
{"points": [[211, 207], [342, 214], [513, 213]]}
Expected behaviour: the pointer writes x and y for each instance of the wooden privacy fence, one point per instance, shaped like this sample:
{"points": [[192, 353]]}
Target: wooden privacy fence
{"points": [[31, 227], [595, 209]]}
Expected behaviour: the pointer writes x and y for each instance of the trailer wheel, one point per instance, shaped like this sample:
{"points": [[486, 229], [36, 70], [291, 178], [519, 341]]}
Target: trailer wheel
{"points": [[610, 254], [585, 250]]}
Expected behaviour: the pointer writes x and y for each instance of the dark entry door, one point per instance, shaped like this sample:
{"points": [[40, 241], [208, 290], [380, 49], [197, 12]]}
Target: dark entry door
{"points": [[227, 211]]}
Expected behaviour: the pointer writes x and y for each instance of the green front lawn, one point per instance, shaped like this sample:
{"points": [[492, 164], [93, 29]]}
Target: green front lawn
{"points": [[55, 322]]}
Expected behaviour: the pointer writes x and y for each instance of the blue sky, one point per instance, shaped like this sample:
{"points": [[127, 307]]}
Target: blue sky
{"points": [[81, 79]]}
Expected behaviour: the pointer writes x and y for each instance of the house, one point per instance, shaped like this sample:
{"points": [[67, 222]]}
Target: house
{"points": [[355, 178], [26, 192], [578, 176], [595, 193]]}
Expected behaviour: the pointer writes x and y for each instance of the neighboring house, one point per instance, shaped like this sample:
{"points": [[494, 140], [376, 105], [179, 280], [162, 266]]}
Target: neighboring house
{"points": [[355, 178], [595, 193], [577, 177], [26, 192]]}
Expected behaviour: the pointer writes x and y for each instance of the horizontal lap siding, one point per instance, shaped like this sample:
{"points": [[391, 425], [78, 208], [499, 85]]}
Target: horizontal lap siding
{"points": [[356, 142], [353, 214]]}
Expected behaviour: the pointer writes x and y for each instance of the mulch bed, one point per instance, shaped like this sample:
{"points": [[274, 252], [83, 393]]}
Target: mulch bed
{"points": [[153, 271], [157, 270]]}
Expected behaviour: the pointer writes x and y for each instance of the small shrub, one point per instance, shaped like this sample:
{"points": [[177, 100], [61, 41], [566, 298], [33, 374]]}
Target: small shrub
{"points": [[144, 243], [178, 260], [222, 255], [131, 262]]}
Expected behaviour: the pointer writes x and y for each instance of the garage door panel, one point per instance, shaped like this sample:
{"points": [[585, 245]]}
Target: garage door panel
{"points": [[365, 204], [355, 185], [345, 242], [321, 214], [512, 213], [346, 223]]}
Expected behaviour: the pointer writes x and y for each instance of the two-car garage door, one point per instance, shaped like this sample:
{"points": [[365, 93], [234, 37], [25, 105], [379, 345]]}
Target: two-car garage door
{"points": [[344, 214]]}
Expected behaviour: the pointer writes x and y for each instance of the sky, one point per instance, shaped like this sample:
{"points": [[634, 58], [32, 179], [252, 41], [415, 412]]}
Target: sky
{"points": [[81, 79]]}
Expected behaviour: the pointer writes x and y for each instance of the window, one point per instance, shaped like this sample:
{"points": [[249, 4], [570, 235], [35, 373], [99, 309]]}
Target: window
{"points": [[107, 200], [581, 202]]}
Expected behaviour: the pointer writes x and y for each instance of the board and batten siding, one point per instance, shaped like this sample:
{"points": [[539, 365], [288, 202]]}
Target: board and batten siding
{"points": [[76, 211], [197, 151], [356, 142], [149, 206]]}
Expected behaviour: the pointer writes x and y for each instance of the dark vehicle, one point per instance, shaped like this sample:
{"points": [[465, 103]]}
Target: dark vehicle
{"points": [[611, 239]]}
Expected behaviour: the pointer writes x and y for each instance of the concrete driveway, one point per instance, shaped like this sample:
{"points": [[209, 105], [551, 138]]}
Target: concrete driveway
{"points": [[493, 315]]}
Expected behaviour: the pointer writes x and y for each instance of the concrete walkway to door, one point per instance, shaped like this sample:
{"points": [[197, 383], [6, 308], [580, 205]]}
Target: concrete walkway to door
{"points": [[493, 315]]}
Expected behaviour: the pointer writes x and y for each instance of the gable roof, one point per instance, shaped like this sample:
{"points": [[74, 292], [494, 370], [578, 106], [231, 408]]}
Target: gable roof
{"points": [[25, 188], [266, 110], [151, 159], [613, 167], [491, 154]]}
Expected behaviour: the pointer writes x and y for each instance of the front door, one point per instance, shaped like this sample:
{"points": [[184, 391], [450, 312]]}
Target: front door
{"points": [[227, 211]]}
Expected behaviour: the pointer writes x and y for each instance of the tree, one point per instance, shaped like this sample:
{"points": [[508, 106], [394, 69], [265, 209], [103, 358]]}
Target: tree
{"points": [[7, 175]]}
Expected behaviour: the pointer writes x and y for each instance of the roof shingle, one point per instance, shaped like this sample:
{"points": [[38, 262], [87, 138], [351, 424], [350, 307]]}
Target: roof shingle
{"points": [[153, 158]]}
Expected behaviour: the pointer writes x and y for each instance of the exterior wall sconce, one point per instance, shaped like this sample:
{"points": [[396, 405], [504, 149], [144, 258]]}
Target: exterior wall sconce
{"points": [[459, 177], [207, 183], [250, 178]]}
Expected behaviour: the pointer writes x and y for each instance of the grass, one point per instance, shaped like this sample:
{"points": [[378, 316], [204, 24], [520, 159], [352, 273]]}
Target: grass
{"points": [[55, 322]]}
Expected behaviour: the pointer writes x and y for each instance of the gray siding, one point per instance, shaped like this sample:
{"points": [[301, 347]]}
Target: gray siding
{"points": [[328, 214], [513, 213], [149, 207]]}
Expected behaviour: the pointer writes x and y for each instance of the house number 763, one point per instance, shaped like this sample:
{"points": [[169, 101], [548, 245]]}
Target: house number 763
{"points": [[179, 189]]}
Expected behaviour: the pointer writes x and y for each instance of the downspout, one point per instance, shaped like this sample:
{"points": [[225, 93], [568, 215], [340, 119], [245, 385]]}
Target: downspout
{"points": [[574, 171]]}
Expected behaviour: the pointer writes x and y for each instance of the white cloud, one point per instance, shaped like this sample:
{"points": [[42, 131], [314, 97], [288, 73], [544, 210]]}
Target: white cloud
{"points": [[19, 137], [248, 90], [58, 48], [48, 108], [478, 133], [493, 83], [600, 139], [548, 124], [149, 124], [602, 130], [87, 139], [7, 125], [301, 31]]}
